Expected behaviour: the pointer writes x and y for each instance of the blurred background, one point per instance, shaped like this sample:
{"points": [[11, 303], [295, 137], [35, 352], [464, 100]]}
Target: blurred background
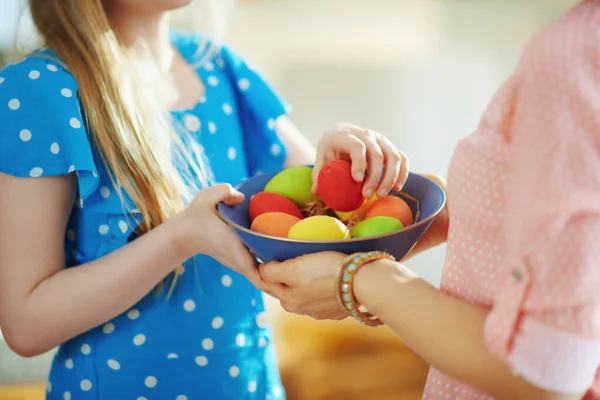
{"points": [[420, 71]]}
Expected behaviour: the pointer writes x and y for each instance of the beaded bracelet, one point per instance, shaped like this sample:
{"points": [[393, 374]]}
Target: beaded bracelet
{"points": [[344, 285]]}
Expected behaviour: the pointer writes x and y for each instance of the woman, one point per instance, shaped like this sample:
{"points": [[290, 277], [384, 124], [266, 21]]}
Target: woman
{"points": [[517, 316], [108, 247]]}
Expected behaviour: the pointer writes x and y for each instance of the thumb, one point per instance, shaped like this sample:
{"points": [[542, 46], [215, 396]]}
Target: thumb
{"points": [[221, 193]]}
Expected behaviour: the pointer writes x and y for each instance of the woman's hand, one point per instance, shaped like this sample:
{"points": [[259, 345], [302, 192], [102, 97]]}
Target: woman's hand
{"points": [[306, 285], [204, 232], [363, 146]]}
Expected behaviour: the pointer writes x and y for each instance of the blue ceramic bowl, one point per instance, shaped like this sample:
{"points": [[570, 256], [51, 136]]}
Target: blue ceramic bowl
{"points": [[430, 196]]}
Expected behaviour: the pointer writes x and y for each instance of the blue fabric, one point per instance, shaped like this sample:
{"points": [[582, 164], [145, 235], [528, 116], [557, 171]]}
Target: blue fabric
{"points": [[210, 339]]}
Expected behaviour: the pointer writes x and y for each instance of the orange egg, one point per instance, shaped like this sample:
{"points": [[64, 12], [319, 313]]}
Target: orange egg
{"points": [[391, 206], [274, 223]]}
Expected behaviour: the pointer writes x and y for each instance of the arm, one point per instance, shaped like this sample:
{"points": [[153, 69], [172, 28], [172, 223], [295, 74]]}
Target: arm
{"points": [[300, 151], [42, 304], [446, 332]]}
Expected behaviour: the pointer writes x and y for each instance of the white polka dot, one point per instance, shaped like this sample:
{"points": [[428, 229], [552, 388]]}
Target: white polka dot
{"points": [[52, 67], [1, 80], [85, 385], [103, 229], [227, 109], [271, 123], [253, 302], [240, 339], [25, 135], [67, 396], [262, 342], [54, 148], [275, 149], [86, 349], [139, 339], [209, 66], [231, 153], [95, 175], [49, 387], [75, 123], [66, 92], [36, 172], [141, 398], [262, 320], [212, 128], [133, 314], [213, 81], [191, 122], [104, 192], [244, 84], [220, 62], [234, 371], [14, 104], [208, 344], [189, 305], [226, 280], [71, 235], [252, 386], [34, 74], [277, 391], [150, 382], [123, 226], [202, 361], [71, 168], [69, 363], [113, 364], [181, 397], [217, 322], [172, 356]]}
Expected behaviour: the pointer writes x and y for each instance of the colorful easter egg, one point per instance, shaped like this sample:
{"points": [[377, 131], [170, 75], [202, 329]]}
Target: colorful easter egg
{"points": [[357, 215], [294, 183], [319, 227], [265, 202], [338, 189], [376, 226], [391, 206], [274, 223]]}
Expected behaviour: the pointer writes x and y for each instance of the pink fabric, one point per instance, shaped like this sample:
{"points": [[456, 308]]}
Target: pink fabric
{"points": [[524, 200]]}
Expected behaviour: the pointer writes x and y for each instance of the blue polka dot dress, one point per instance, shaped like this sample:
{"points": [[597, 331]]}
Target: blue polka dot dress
{"points": [[211, 338]]}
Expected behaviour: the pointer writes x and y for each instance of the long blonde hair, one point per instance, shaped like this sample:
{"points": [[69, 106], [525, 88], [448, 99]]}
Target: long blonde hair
{"points": [[135, 138]]}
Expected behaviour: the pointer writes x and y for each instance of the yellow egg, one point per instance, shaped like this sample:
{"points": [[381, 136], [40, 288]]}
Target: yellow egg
{"points": [[357, 215], [319, 227]]}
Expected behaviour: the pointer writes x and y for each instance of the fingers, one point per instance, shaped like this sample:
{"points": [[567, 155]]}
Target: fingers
{"points": [[276, 272], [403, 174], [357, 150], [221, 193], [393, 166], [376, 159]]}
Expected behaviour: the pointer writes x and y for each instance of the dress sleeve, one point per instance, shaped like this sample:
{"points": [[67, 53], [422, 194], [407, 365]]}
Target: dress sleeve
{"points": [[42, 130], [260, 107], [545, 322]]}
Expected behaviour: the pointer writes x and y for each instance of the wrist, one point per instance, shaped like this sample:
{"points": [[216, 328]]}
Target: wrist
{"points": [[177, 231], [372, 277]]}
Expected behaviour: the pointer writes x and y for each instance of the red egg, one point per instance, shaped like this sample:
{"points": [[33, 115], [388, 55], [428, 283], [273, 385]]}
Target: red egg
{"points": [[265, 202], [391, 206], [338, 189]]}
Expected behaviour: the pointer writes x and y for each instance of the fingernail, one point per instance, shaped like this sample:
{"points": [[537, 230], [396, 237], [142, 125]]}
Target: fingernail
{"points": [[359, 176], [382, 193], [369, 193]]}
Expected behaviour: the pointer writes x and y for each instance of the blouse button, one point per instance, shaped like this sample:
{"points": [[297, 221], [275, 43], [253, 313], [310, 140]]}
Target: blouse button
{"points": [[516, 275]]}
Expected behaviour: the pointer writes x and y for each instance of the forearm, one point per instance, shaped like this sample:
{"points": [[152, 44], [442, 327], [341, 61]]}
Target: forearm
{"points": [[446, 332], [75, 300], [300, 151]]}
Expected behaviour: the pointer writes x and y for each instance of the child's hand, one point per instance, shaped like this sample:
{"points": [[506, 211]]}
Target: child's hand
{"points": [[361, 146]]}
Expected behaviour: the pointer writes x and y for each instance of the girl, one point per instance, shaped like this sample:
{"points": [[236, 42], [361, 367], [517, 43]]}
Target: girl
{"points": [[117, 124], [518, 313]]}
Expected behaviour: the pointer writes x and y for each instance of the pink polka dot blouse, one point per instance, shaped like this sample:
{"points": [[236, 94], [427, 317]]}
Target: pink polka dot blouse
{"points": [[524, 200]]}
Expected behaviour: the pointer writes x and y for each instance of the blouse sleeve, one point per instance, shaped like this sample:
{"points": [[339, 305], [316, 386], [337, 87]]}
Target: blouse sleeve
{"points": [[545, 322], [260, 107], [42, 131]]}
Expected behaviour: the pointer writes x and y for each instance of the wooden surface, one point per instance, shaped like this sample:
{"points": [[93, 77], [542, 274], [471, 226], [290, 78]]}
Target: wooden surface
{"points": [[346, 361], [26, 392]]}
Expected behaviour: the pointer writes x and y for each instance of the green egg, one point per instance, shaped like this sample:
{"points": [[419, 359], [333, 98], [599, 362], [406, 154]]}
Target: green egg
{"points": [[295, 183], [376, 226]]}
